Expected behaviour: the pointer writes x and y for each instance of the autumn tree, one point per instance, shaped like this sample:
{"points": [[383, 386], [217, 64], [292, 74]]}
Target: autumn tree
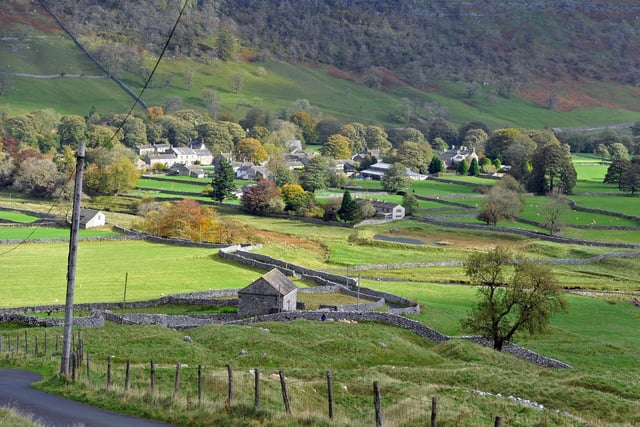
{"points": [[261, 198], [416, 156], [295, 198], [110, 179], [515, 296], [250, 149], [356, 134], [222, 185], [186, 219], [396, 178], [220, 136], [337, 147], [307, 125]]}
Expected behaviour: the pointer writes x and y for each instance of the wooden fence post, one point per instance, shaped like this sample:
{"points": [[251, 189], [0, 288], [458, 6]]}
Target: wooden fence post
{"points": [[434, 411], [199, 384], [88, 370], [230, 389], [153, 376], [26, 343], [256, 400], [57, 338], [73, 366], [176, 384], [377, 404], [0, 343], [285, 396], [330, 394], [17, 342], [35, 349], [498, 422], [109, 371], [45, 342], [126, 375]]}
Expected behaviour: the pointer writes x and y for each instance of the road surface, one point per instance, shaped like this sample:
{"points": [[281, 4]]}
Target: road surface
{"points": [[54, 411]]}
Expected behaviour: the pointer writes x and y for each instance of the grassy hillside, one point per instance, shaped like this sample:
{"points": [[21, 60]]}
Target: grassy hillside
{"points": [[38, 47]]}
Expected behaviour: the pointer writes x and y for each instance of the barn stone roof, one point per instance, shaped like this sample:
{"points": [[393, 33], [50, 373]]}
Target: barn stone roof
{"points": [[276, 280]]}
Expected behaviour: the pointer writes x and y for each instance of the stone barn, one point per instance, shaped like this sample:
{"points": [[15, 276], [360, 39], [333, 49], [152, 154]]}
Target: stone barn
{"points": [[271, 293]]}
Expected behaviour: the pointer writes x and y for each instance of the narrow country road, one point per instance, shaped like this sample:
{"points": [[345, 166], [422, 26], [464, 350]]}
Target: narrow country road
{"points": [[53, 411]]}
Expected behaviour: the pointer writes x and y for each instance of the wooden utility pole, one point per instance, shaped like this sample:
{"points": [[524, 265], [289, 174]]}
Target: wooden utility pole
{"points": [[71, 264]]}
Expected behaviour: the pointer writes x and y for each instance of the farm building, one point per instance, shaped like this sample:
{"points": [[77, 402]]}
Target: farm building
{"points": [[90, 218], [271, 293]]}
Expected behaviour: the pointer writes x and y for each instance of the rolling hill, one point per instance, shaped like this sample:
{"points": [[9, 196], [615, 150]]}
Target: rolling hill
{"points": [[498, 70]]}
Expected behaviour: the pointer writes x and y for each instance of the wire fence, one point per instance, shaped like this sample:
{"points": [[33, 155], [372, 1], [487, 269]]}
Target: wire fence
{"points": [[319, 394]]}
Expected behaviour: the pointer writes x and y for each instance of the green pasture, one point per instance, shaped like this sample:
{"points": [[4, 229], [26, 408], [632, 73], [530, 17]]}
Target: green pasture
{"points": [[590, 177], [585, 159], [622, 204], [35, 233], [440, 189], [19, 217], [152, 270], [534, 211], [167, 185]]}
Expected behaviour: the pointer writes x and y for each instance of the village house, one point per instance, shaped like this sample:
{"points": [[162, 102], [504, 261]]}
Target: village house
{"points": [[378, 170], [271, 293], [167, 160], [251, 172], [168, 155], [386, 210], [90, 218], [180, 169], [453, 157]]}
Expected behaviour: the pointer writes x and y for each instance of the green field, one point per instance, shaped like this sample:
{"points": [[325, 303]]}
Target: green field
{"points": [[153, 270], [34, 233], [19, 217]]}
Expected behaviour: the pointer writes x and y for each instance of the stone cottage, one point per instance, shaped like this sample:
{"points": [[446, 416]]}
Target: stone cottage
{"points": [[271, 293]]}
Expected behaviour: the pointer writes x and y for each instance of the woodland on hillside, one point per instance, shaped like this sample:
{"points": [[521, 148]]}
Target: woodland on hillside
{"points": [[497, 42]]}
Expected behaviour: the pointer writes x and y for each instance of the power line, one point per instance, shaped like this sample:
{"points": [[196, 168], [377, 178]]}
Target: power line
{"points": [[129, 113], [155, 67]]}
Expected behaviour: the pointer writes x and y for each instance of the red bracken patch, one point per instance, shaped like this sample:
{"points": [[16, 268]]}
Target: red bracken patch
{"points": [[567, 94], [28, 14]]}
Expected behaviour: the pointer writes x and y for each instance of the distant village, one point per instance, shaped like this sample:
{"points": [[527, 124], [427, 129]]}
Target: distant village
{"points": [[191, 160]]}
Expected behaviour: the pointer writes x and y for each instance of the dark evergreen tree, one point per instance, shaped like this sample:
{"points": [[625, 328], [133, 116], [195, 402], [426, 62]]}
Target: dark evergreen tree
{"points": [[350, 210], [436, 165], [474, 167], [222, 183], [463, 168]]}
